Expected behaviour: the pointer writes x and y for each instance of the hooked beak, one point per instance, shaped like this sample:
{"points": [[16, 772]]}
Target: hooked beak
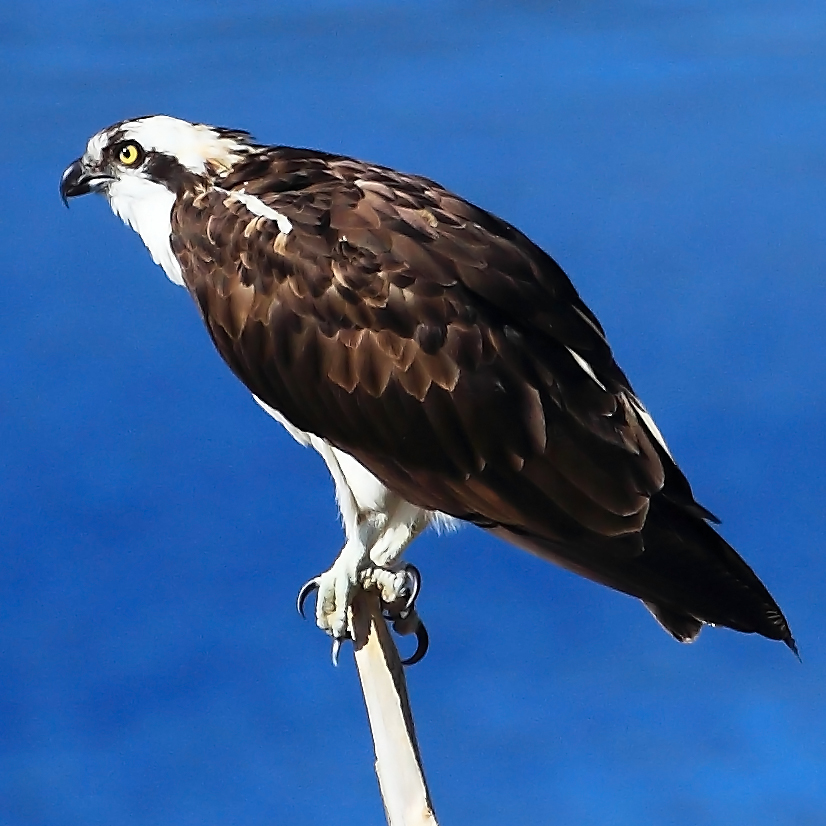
{"points": [[78, 180]]}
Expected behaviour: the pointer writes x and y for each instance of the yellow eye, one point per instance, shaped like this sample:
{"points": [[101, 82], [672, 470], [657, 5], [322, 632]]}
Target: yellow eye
{"points": [[129, 154]]}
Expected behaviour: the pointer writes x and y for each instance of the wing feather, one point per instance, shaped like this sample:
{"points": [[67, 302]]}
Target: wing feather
{"points": [[374, 290], [455, 360]]}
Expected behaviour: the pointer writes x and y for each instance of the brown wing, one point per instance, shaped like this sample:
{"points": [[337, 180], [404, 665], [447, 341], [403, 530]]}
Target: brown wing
{"points": [[449, 355]]}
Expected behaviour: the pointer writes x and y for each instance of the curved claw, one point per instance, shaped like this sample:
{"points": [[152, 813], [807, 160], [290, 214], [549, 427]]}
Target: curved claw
{"points": [[336, 648], [306, 589], [422, 644], [416, 578]]}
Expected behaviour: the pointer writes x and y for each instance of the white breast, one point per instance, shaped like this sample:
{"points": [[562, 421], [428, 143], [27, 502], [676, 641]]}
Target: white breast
{"points": [[147, 207]]}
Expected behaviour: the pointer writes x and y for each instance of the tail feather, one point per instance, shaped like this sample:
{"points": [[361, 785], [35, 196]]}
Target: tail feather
{"points": [[707, 579], [681, 626], [686, 573]]}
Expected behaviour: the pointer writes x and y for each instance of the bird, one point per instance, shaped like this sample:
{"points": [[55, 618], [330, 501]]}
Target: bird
{"points": [[441, 363]]}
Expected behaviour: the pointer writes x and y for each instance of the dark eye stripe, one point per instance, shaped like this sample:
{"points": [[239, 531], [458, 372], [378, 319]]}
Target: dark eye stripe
{"points": [[164, 169]]}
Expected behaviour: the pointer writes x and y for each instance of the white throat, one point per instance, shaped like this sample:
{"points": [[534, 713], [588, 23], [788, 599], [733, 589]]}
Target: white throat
{"points": [[146, 206]]}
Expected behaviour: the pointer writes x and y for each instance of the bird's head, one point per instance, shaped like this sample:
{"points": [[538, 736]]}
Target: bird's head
{"points": [[125, 159], [143, 165]]}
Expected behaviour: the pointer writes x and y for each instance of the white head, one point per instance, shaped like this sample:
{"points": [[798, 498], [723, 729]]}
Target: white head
{"points": [[142, 165], [156, 148]]}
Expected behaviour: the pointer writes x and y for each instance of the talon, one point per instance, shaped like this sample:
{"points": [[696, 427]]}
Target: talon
{"points": [[334, 595], [416, 579], [422, 641], [405, 623], [337, 647], [306, 589]]}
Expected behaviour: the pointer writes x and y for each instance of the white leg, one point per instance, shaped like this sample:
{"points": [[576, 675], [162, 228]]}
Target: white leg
{"points": [[404, 525], [378, 524], [335, 590], [369, 559]]}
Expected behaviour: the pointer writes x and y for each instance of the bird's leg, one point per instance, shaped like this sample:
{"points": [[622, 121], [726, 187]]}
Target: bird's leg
{"points": [[370, 559], [397, 591], [336, 587]]}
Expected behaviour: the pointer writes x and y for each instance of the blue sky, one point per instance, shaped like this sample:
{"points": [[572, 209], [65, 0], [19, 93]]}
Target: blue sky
{"points": [[155, 525]]}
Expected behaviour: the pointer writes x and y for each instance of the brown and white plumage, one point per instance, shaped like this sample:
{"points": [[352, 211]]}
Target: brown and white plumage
{"points": [[420, 342]]}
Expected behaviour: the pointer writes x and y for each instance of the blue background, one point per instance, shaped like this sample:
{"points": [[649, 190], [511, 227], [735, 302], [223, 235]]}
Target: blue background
{"points": [[155, 524]]}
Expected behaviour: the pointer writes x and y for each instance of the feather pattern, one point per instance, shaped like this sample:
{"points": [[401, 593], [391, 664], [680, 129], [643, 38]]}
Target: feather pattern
{"points": [[440, 361], [454, 359]]}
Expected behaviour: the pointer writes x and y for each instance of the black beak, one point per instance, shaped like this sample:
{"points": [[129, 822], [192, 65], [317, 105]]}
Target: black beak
{"points": [[78, 180]]}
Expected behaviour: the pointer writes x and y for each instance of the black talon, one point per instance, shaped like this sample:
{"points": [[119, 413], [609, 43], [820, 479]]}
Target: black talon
{"points": [[404, 620], [413, 572], [306, 589], [422, 642]]}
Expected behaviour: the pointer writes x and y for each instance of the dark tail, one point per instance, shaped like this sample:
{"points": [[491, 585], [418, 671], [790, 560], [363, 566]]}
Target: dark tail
{"points": [[683, 570], [704, 580]]}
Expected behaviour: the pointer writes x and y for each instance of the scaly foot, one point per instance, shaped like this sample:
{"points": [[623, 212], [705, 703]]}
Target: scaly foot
{"points": [[397, 590]]}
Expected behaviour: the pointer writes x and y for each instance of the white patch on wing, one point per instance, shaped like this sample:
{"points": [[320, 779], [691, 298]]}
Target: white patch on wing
{"points": [[649, 422], [638, 406], [586, 367], [146, 206], [589, 322], [257, 207]]}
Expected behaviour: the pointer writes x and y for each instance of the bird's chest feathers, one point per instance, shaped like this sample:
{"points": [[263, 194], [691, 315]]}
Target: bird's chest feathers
{"points": [[146, 206]]}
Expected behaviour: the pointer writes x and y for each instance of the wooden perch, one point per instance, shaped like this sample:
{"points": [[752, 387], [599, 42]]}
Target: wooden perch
{"points": [[398, 762]]}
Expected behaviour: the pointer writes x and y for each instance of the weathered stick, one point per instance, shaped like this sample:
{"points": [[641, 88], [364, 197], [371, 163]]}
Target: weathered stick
{"points": [[398, 762]]}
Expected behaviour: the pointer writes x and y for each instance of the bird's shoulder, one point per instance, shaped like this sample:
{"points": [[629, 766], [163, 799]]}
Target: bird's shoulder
{"points": [[376, 239]]}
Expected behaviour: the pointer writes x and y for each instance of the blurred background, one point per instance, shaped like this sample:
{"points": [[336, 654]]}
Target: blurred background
{"points": [[155, 525]]}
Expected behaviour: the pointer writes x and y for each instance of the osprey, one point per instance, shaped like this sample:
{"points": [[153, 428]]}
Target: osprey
{"points": [[441, 363]]}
